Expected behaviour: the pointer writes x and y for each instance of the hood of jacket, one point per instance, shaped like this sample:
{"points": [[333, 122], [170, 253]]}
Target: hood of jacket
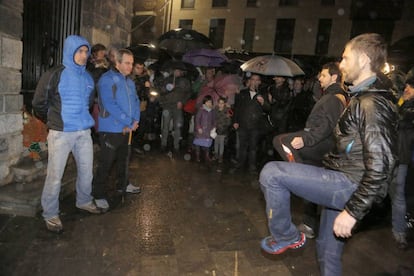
{"points": [[70, 47]]}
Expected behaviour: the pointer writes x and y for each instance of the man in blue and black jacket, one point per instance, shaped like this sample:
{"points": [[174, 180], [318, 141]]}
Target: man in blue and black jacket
{"points": [[119, 114], [62, 100]]}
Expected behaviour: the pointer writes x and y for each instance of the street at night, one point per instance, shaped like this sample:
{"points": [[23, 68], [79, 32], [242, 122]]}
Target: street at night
{"points": [[188, 220]]}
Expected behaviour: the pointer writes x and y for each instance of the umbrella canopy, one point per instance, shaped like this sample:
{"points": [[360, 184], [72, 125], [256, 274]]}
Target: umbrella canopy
{"points": [[205, 57], [145, 51], [226, 85], [272, 65], [171, 65], [179, 41]]}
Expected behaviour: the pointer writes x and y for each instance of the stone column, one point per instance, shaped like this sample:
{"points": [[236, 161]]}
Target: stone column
{"points": [[11, 102]]}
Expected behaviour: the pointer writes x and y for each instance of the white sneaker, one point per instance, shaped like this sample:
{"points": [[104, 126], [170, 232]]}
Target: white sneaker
{"points": [[133, 189], [102, 204], [54, 224], [90, 207]]}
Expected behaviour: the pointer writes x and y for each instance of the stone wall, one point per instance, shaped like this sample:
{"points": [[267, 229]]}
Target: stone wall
{"points": [[107, 22], [11, 102]]}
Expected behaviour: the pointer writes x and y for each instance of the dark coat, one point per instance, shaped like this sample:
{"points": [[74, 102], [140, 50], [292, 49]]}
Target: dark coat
{"points": [[223, 121], [406, 131], [181, 91], [281, 100], [323, 118], [249, 113], [367, 146]]}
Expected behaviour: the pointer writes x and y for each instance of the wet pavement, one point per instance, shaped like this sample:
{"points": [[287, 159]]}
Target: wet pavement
{"points": [[188, 220]]}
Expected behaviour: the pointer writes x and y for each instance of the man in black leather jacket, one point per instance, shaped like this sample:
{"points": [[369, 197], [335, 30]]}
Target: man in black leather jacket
{"points": [[357, 172]]}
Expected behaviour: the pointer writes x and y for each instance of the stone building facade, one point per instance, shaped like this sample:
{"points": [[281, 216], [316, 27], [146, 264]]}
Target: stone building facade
{"points": [[334, 21], [11, 121], [107, 22]]}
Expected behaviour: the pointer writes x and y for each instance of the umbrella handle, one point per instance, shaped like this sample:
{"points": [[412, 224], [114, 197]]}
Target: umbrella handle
{"points": [[130, 138]]}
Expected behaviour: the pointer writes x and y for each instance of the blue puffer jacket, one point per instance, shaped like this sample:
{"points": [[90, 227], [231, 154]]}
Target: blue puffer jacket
{"points": [[65, 106], [118, 100]]}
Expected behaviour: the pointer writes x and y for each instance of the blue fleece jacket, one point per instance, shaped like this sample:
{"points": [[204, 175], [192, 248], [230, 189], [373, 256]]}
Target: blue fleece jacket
{"points": [[119, 102]]}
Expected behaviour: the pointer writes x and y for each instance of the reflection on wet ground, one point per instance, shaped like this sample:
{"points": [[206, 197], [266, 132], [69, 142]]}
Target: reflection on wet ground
{"points": [[188, 220]]}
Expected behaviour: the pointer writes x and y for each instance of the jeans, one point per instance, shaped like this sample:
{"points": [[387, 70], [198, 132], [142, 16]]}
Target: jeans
{"points": [[328, 188], [177, 116], [60, 144], [398, 204]]}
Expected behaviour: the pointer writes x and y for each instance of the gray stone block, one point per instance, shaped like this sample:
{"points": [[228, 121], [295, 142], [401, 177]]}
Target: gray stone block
{"points": [[13, 104], [11, 53], [11, 22], [11, 123], [10, 81]]}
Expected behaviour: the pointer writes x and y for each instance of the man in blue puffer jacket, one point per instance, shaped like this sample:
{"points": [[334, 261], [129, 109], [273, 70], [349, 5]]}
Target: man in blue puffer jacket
{"points": [[119, 114], [62, 99]]}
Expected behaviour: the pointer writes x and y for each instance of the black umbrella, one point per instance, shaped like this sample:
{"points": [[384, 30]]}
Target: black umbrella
{"points": [[170, 65], [177, 42], [147, 51]]}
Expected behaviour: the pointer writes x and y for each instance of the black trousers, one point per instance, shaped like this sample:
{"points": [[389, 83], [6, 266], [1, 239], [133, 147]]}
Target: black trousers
{"points": [[248, 142], [114, 147]]}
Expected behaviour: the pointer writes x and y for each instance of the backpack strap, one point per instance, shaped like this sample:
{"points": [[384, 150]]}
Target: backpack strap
{"points": [[342, 99], [45, 92]]}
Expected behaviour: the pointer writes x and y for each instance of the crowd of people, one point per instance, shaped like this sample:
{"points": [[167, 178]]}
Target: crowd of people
{"points": [[343, 138]]}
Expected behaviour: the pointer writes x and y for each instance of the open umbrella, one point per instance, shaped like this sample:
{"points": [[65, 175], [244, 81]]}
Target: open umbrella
{"points": [[226, 85], [145, 51], [205, 57], [272, 65], [171, 65], [179, 41]]}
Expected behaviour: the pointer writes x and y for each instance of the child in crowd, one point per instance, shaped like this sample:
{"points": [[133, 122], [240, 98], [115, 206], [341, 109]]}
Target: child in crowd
{"points": [[204, 123], [223, 122]]}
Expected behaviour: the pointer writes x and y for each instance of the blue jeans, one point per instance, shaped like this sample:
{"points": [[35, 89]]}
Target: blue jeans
{"points": [[398, 204], [60, 144], [330, 189]]}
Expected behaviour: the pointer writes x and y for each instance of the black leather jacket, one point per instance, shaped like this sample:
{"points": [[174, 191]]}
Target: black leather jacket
{"points": [[366, 146]]}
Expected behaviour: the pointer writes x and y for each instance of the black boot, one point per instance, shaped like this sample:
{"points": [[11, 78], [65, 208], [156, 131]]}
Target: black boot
{"points": [[207, 158]]}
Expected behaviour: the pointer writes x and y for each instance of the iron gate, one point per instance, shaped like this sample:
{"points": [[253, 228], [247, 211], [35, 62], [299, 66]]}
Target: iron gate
{"points": [[46, 23]]}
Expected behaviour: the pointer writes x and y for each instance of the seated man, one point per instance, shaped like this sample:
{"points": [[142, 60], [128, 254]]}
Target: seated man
{"points": [[357, 172]]}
